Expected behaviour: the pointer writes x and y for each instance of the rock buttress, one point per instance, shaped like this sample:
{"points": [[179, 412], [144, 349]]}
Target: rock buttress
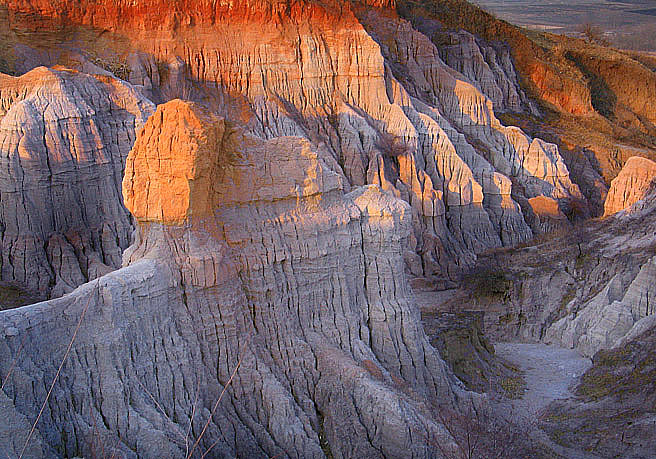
{"points": [[632, 184], [299, 284], [171, 171]]}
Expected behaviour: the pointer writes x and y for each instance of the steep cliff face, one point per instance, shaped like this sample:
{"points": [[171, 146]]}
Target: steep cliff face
{"points": [[64, 137], [171, 175], [277, 275], [550, 78], [631, 185], [489, 66], [347, 77], [581, 88], [332, 147]]}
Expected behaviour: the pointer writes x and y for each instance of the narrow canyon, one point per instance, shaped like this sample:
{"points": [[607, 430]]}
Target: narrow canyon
{"points": [[297, 229]]}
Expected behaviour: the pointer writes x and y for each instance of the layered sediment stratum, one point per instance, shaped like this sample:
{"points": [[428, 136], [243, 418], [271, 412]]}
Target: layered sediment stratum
{"points": [[363, 85], [270, 270]]}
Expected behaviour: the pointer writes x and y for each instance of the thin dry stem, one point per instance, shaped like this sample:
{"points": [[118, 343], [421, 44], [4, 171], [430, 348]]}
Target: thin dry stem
{"points": [[54, 380], [209, 419], [13, 365], [209, 449], [159, 407], [193, 414]]}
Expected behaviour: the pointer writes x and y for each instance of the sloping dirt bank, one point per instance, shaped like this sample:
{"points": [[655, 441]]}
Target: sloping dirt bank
{"points": [[550, 373]]}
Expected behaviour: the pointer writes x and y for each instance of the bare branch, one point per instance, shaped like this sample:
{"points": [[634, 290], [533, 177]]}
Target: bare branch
{"points": [[61, 365]]}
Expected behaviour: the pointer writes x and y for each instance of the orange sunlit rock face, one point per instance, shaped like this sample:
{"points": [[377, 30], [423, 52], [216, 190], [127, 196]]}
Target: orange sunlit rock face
{"points": [[132, 15], [546, 207], [171, 169], [631, 184], [187, 162]]}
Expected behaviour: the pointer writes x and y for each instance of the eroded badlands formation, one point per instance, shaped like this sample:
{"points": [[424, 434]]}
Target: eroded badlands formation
{"points": [[358, 82], [590, 289], [626, 306], [64, 138], [266, 226], [271, 268]]}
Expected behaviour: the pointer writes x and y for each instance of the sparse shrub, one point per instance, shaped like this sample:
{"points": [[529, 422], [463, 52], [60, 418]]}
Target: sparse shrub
{"points": [[118, 67], [487, 281], [578, 236], [576, 208], [593, 34], [513, 386], [481, 433], [392, 146]]}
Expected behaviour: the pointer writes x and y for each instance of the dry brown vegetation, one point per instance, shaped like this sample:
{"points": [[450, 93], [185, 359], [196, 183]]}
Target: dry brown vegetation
{"points": [[481, 433], [13, 296], [392, 146]]}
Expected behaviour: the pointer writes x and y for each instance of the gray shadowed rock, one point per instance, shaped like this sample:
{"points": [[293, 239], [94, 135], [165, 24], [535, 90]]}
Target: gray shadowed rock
{"points": [[274, 271], [64, 137]]}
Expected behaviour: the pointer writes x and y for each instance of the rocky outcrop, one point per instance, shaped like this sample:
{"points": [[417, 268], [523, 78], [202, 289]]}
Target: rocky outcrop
{"points": [[599, 323], [276, 286], [536, 164], [589, 288], [601, 120], [606, 320], [489, 67], [548, 75], [631, 185], [171, 174], [545, 214], [263, 309], [64, 137]]}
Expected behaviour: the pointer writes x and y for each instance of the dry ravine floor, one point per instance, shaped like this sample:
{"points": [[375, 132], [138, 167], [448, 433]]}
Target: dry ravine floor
{"points": [[550, 373]]}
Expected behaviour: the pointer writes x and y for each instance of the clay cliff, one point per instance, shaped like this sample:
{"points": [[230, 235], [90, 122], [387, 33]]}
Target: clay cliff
{"points": [[64, 138], [595, 102], [631, 185], [271, 282], [355, 79]]}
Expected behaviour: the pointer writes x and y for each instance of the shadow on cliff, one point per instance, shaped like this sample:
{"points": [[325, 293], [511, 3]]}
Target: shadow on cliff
{"points": [[603, 99]]}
